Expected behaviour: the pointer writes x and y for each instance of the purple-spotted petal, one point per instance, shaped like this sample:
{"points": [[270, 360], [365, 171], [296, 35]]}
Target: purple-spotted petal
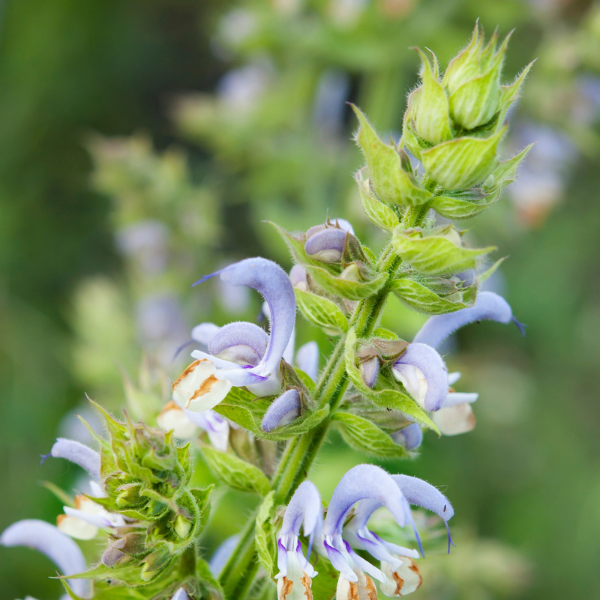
{"points": [[57, 546], [307, 359], [363, 482], [327, 245], [410, 437], [242, 343], [222, 554], [423, 373], [304, 508], [488, 306], [79, 454], [282, 411]]}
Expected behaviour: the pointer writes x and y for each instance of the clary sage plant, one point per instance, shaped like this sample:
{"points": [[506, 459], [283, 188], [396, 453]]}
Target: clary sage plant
{"points": [[379, 391]]}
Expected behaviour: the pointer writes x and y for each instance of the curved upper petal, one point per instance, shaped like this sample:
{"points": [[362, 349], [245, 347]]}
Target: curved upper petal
{"points": [[78, 453], [488, 306], [272, 282], [282, 411], [363, 482], [180, 594], [423, 494], [304, 508], [57, 546], [424, 374]]}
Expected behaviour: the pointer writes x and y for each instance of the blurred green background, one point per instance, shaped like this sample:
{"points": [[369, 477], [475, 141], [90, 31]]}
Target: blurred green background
{"points": [[144, 141]]}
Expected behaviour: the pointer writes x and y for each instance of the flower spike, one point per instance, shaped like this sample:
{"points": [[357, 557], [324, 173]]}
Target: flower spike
{"points": [[57, 546], [77, 453], [488, 306]]}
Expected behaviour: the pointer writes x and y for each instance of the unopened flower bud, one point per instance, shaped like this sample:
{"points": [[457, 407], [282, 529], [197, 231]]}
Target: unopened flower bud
{"points": [[410, 436], [369, 370], [298, 278], [326, 245], [363, 589], [406, 579]]}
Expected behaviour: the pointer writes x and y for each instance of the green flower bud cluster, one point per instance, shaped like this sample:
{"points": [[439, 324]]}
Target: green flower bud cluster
{"points": [[454, 125], [147, 480]]}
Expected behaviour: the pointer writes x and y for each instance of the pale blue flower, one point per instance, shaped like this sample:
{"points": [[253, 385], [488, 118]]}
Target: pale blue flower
{"points": [[57, 546]]}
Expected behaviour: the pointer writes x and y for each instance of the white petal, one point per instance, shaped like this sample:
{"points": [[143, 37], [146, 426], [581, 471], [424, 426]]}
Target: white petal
{"points": [[172, 418], [198, 389], [404, 580], [455, 419]]}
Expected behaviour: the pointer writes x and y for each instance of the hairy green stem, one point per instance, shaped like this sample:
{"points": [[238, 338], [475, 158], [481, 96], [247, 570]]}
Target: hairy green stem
{"points": [[239, 573]]}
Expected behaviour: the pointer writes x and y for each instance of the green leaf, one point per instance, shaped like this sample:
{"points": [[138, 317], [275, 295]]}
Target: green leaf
{"points": [[324, 585], [265, 536], [235, 472], [453, 207], [506, 171], [390, 181], [364, 436], [486, 274], [511, 92], [211, 588], [202, 499], [464, 162], [377, 212], [245, 410], [347, 288], [435, 254], [420, 298], [388, 398], [432, 114], [322, 312]]}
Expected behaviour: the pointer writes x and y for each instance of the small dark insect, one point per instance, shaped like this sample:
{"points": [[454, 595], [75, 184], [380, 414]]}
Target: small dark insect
{"points": [[444, 508]]}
